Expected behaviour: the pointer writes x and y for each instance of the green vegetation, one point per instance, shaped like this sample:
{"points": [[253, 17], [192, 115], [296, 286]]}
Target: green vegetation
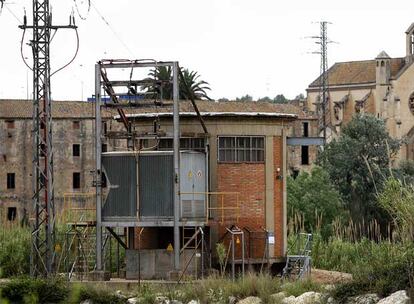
{"points": [[211, 290], [15, 251], [313, 201], [358, 163], [197, 88]]}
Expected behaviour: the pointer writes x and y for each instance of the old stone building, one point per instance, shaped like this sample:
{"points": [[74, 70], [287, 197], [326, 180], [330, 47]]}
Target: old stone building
{"points": [[73, 142], [383, 87]]}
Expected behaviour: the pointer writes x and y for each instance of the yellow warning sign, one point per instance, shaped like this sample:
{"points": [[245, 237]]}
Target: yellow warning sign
{"points": [[58, 248], [170, 248], [190, 174]]}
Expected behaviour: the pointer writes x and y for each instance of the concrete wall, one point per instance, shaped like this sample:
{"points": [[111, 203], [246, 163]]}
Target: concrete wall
{"points": [[157, 264]]}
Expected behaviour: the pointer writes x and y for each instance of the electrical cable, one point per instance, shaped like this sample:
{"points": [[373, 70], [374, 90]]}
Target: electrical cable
{"points": [[76, 54], [10, 11], [112, 29], [78, 11], [21, 50]]}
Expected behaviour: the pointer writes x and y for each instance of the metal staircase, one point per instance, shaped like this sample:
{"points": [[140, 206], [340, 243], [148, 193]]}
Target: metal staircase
{"points": [[299, 265]]}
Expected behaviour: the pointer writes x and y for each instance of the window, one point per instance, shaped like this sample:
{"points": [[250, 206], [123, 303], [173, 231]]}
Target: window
{"points": [[305, 129], [76, 149], [42, 150], [104, 148], [241, 149], [76, 124], [10, 124], [305, 155], [104, 181], [190, 143], [105, 127], [76, 180], [11, 213], [11, 181]]}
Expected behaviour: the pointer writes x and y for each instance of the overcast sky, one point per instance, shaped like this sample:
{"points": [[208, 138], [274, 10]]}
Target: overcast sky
{"points": [[240, 47]]}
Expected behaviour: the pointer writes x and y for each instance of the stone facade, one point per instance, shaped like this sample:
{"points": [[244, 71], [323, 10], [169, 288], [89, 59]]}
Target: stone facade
{"points": [[382, 87]]}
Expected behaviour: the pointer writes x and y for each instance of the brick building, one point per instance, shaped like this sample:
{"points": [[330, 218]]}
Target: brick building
{"points": [[248, 154]]}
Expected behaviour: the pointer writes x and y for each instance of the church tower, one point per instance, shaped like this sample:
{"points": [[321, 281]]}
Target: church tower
{"points": [[409, 43], [383, 75]]}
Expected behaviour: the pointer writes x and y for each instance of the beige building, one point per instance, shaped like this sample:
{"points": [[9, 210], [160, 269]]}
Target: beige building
{"points": [[383, 86]]}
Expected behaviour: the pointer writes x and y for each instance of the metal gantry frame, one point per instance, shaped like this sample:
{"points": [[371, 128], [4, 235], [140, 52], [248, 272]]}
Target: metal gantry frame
{"points": [[42, 252], [103, 83]]}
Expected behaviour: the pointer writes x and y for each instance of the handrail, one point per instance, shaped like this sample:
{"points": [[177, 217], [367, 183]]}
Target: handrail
{"points": [[222, 208]]}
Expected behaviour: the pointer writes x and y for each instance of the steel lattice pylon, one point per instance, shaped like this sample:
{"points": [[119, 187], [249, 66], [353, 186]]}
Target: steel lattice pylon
{"points": [[324, 94], [43, 196], [42, 255]]}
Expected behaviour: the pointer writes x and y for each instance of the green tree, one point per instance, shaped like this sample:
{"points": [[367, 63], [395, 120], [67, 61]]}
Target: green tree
{"points": [[280, 98], [163, 76], [300, 97], [265, 99], [314, 198], [358, 162], [244, 98]]}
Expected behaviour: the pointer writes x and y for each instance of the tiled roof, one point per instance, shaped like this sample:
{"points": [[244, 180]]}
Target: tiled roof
{"points": [[357, 72], [60, 109], [79, 109]]}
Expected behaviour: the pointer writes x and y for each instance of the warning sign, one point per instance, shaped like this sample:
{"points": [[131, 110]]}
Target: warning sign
{"points": [[190, 174], [170, 248], [199, 174]]}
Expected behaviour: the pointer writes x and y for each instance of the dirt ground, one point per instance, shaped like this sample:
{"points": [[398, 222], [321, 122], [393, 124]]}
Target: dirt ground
{"points": [[329, 277]]}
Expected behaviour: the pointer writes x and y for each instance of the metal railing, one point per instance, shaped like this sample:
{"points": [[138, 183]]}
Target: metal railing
{"points": [[225, 211], [78, 208]]}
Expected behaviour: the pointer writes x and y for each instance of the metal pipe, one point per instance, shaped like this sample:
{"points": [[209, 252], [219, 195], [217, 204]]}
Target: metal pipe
{"points": [[176, 145], [233, 270], [98, 167], [202, 252], [242, 234]]}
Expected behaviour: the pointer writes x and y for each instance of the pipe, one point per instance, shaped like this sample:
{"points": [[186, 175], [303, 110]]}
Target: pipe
{"points": [[176, 146], [98, 167]]}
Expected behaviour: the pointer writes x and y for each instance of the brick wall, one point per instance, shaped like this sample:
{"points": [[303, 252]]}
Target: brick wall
{"points": [[249, 181]]}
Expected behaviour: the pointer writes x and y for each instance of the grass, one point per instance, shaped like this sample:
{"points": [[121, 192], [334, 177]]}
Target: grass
{"points": [[15, 251], [211, 290]]}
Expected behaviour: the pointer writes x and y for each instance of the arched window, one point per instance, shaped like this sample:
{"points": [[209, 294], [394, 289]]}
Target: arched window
{"points": [[411, 103]]}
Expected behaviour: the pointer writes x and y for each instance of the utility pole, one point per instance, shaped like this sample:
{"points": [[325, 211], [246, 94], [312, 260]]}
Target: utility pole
{"points": [[323, 104], [42, 253]]}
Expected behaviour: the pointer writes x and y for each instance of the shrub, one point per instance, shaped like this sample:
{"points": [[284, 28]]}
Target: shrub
{"points": [[30, 290]]}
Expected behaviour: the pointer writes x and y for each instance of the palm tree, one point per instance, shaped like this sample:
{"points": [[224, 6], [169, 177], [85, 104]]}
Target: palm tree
{"points": [[197, 88], [163, 84]]}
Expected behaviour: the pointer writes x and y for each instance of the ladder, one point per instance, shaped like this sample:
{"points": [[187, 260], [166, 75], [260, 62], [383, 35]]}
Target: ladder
{"points": [[299, 265]]}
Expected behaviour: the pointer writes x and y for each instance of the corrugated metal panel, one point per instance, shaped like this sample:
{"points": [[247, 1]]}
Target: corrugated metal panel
{"points": [[156, 188], [120, 171]]}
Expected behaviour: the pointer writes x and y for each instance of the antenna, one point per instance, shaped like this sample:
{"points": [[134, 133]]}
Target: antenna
{"points": [[323, 103], [42, 253]]}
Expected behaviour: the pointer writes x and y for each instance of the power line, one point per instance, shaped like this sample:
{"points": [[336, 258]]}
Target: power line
{"points": [[10, 11], [112, 29]]}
